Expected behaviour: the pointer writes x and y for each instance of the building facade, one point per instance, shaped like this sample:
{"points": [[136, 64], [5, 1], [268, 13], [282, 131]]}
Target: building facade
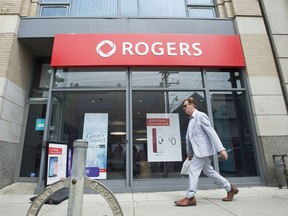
{"points": [[50, 84]]}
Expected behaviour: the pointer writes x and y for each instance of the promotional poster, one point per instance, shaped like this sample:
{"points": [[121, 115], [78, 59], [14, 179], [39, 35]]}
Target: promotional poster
{"points": [[95, 132], [163, 137], [57, 162]]}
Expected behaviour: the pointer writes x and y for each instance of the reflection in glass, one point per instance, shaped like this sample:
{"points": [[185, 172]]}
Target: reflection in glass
{"points": [[94, 8], [89, 77], [200, 2], [33, 142], [231, 123], [41, 80], [161, 8], [222, 80], [167, 79], [54, 11], [156, 102], [201, 12], [128, 8]]}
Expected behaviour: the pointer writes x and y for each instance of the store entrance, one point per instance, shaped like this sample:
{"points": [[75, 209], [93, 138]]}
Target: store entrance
{"points": [[127, 98], [33, 141]]}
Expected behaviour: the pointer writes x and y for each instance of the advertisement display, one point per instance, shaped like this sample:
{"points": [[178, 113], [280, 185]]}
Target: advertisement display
{"points": [[56, 163], [163, 137], [193, 50], [95, 132]]}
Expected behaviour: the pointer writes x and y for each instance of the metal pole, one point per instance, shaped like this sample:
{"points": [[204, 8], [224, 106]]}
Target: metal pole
{"points": [[77, 178], [45, 136]]}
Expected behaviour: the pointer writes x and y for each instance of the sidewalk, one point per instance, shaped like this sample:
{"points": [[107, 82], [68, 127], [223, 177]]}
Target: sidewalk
{"points": [[250, 201]]}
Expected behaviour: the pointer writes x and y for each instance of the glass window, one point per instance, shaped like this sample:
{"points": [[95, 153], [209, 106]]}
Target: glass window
{"points": [[89, 77], [201, 8], [68, 124], [54, 1], [231, 123], [33, 141], [162, 8], [54, 11], [128, 8], [141, 8], [223, 80], [94, 8], [200, 2], [167, 79], [41, 80], [157, 102], [157, 90], [201, 12]]}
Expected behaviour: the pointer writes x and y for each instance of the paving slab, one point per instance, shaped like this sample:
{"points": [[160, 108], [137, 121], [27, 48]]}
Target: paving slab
{"points": [[252, 201]]}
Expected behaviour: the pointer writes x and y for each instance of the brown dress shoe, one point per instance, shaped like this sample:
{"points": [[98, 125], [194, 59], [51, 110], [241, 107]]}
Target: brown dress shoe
{"points": [[231, 193], [186, 202]]}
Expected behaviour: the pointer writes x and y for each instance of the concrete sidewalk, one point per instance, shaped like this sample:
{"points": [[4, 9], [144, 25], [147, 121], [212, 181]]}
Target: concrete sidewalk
{"points": [[264, 201]]}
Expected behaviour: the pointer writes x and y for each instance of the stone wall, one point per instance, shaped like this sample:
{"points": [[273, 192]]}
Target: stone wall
{"points": [[265, 91], [15, 69]]}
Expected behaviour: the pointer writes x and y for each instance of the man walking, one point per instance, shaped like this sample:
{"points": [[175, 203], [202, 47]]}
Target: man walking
{"points": [[201, 142]]}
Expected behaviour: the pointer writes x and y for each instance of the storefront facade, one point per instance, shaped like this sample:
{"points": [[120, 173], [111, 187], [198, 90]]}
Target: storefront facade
{"points": [[128, 69], [129, 76]]}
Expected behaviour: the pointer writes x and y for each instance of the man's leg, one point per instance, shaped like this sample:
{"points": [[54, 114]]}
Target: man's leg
{"points": [[220, 180], [195, 169], [209, 171], [194, 172]]}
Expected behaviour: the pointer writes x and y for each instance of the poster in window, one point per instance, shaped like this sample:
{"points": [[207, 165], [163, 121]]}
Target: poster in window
{"points": [[95, 132], [163, 137], [57, 162]]}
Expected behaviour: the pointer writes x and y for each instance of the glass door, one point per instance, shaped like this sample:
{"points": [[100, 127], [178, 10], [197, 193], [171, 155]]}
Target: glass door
{"points": [[33, 141]]}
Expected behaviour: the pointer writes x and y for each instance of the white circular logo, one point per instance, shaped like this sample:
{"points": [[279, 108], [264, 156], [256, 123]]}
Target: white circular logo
{"points": [[108, 54]]}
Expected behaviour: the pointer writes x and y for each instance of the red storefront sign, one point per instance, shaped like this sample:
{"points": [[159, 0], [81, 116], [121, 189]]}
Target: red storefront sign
{"points": [[83, 50]]}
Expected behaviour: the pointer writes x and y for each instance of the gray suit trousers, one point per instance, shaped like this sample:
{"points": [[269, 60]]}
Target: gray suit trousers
{"points": [[196, 166]]}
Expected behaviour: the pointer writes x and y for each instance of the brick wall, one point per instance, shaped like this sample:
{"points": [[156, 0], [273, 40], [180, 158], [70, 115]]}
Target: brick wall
{"points": [[15, 69], [20, 7]]}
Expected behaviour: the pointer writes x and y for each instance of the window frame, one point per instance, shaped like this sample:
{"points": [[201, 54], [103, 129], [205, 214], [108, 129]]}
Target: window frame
{"points": [[200, 4], [196, 6], [67, 4], [55, 4]]}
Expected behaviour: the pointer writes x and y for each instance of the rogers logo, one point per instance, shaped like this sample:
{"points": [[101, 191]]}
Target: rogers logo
{"points": [[156, 49], [103, 43]]}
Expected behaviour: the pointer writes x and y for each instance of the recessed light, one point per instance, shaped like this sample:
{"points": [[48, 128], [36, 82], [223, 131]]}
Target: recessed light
{"points": [[141, 139], [118, 133]]}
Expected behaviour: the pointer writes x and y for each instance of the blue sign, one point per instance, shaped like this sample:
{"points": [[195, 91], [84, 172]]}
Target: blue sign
{"points": [[40, 124]]}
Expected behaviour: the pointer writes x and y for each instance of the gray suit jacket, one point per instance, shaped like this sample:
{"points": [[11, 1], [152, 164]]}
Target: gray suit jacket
{"points": [[201, 138]]}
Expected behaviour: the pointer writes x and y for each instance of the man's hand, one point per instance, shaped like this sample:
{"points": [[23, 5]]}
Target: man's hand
{"points": [[190, 157], [224, 154]]}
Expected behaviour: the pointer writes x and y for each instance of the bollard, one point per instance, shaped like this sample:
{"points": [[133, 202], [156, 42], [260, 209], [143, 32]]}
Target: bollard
{"points": [[77, 178], [76, 182]]}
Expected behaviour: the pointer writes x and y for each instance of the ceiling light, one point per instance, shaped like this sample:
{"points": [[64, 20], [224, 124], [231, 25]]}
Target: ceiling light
{"points": [[118, 133], [141, 139], [117, 123]]}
